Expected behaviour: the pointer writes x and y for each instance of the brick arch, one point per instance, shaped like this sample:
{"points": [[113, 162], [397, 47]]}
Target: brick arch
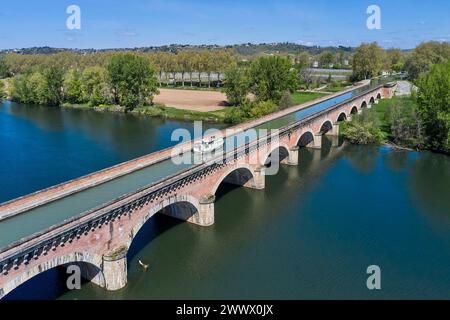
{"points": [[243, 168], [281, 146], [90, 263], [302, 135], [323, 123], [363, 105], [372, 100], [354, 110], [173, 200], [342, 116], [379, 96]]}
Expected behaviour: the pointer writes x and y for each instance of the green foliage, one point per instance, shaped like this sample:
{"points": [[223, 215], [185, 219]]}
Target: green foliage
{"points": [[29, 88], [132, 80], [2, 89], [96, 89], [394, 60], [364, 129], [237, 85], [53, 84], [326, 58], [405, 127], [433, 99], [249, 110], [425, 56], [303, 60], [367, 61], [4, 70], [271, 76], [286, 100], [73, 87]]}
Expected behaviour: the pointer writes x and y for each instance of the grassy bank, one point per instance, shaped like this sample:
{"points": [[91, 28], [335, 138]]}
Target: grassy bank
{"points": [[180, 114], [392, 120], [162, 111], [156, 110], [302, 97]]}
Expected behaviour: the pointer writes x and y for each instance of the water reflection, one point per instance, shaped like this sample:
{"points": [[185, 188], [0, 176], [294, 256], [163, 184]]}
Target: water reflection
{"points": [[44, 146], [429, 180]]}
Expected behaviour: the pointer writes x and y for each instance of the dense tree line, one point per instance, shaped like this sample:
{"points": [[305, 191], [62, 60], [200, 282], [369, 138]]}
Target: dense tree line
{"points": [[433, 99], [127, 80], [268, 79], [369, 60], [185, 62], [421, 121]]}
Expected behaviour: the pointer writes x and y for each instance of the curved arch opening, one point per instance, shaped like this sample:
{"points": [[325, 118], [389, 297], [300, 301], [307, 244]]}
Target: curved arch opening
{"points": [[342, 117], [235, 178], [326, 126], [52, 283], [354, 110], [378, 96], [364, 105], [372, 100], [159, 222], [278, 155], [306, 139]]}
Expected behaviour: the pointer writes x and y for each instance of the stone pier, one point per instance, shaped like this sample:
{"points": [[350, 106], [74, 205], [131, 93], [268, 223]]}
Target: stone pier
{"points": [[115, 269]]}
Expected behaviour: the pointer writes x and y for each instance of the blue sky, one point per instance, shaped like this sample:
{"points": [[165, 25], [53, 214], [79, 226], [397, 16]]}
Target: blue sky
{"points": [[130, 23]]}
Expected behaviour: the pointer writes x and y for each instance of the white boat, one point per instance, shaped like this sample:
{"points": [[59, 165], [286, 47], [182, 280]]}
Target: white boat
{"points": [[208, 145]]}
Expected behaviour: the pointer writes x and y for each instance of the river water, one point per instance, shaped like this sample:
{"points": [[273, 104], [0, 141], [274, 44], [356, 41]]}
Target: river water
{"points": [[311, 233]]}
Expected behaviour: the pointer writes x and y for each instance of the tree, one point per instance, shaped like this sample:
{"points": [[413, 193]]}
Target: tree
{"points": [[367, 61], [4, 70], [237, 85], [433, 99], [73, 86], [395, 59], [306, 76], [2, 89], [54, 79], [424, 56], [184, 62], [29, 88], [326, 58], [286, 100], [132, 79], [405, 125], [303, 60], [271, 76], [364, 129], [96, 89]]}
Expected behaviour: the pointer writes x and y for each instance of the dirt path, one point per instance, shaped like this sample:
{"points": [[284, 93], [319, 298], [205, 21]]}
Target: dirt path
{"points": [[195, 100]]}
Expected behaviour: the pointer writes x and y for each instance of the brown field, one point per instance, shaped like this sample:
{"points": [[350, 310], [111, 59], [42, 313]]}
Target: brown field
{"points": [[196, 100]]}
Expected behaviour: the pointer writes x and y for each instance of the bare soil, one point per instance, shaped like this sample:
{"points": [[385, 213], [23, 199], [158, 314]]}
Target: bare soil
{"points": [[196, 100]]}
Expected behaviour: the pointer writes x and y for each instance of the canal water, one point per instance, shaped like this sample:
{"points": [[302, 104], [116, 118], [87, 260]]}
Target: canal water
{"points": [[310, 234]]}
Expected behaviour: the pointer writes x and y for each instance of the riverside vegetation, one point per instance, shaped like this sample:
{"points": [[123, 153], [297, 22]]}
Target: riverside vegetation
{"points": [[421, 121], [127, 81]]}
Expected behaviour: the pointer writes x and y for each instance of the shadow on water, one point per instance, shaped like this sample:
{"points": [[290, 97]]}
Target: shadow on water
{"points": [[154, 227], [429, 180], [48, 285]]}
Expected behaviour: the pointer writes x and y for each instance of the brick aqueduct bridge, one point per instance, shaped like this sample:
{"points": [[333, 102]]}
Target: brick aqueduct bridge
{"points": [[92, 221]]}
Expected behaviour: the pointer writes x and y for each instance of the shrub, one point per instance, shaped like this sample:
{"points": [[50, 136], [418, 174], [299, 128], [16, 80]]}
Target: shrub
{"points": [[364, 129], [286, 100]]}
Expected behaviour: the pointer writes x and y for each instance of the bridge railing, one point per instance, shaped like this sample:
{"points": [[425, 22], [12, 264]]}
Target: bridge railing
{"points": [[38, 243]]}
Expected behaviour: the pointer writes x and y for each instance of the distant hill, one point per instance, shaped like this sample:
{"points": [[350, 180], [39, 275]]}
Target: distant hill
{"points": [[247, 49]]}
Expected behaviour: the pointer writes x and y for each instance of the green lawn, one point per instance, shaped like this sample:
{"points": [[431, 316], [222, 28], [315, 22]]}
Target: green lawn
{"points": [[382, 109], [302, 97], [180, 114]]}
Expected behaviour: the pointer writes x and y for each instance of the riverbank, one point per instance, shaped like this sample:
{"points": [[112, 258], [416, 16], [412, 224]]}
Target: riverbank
{"points": [[393, 122], [156, 110], [165, 112]]}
